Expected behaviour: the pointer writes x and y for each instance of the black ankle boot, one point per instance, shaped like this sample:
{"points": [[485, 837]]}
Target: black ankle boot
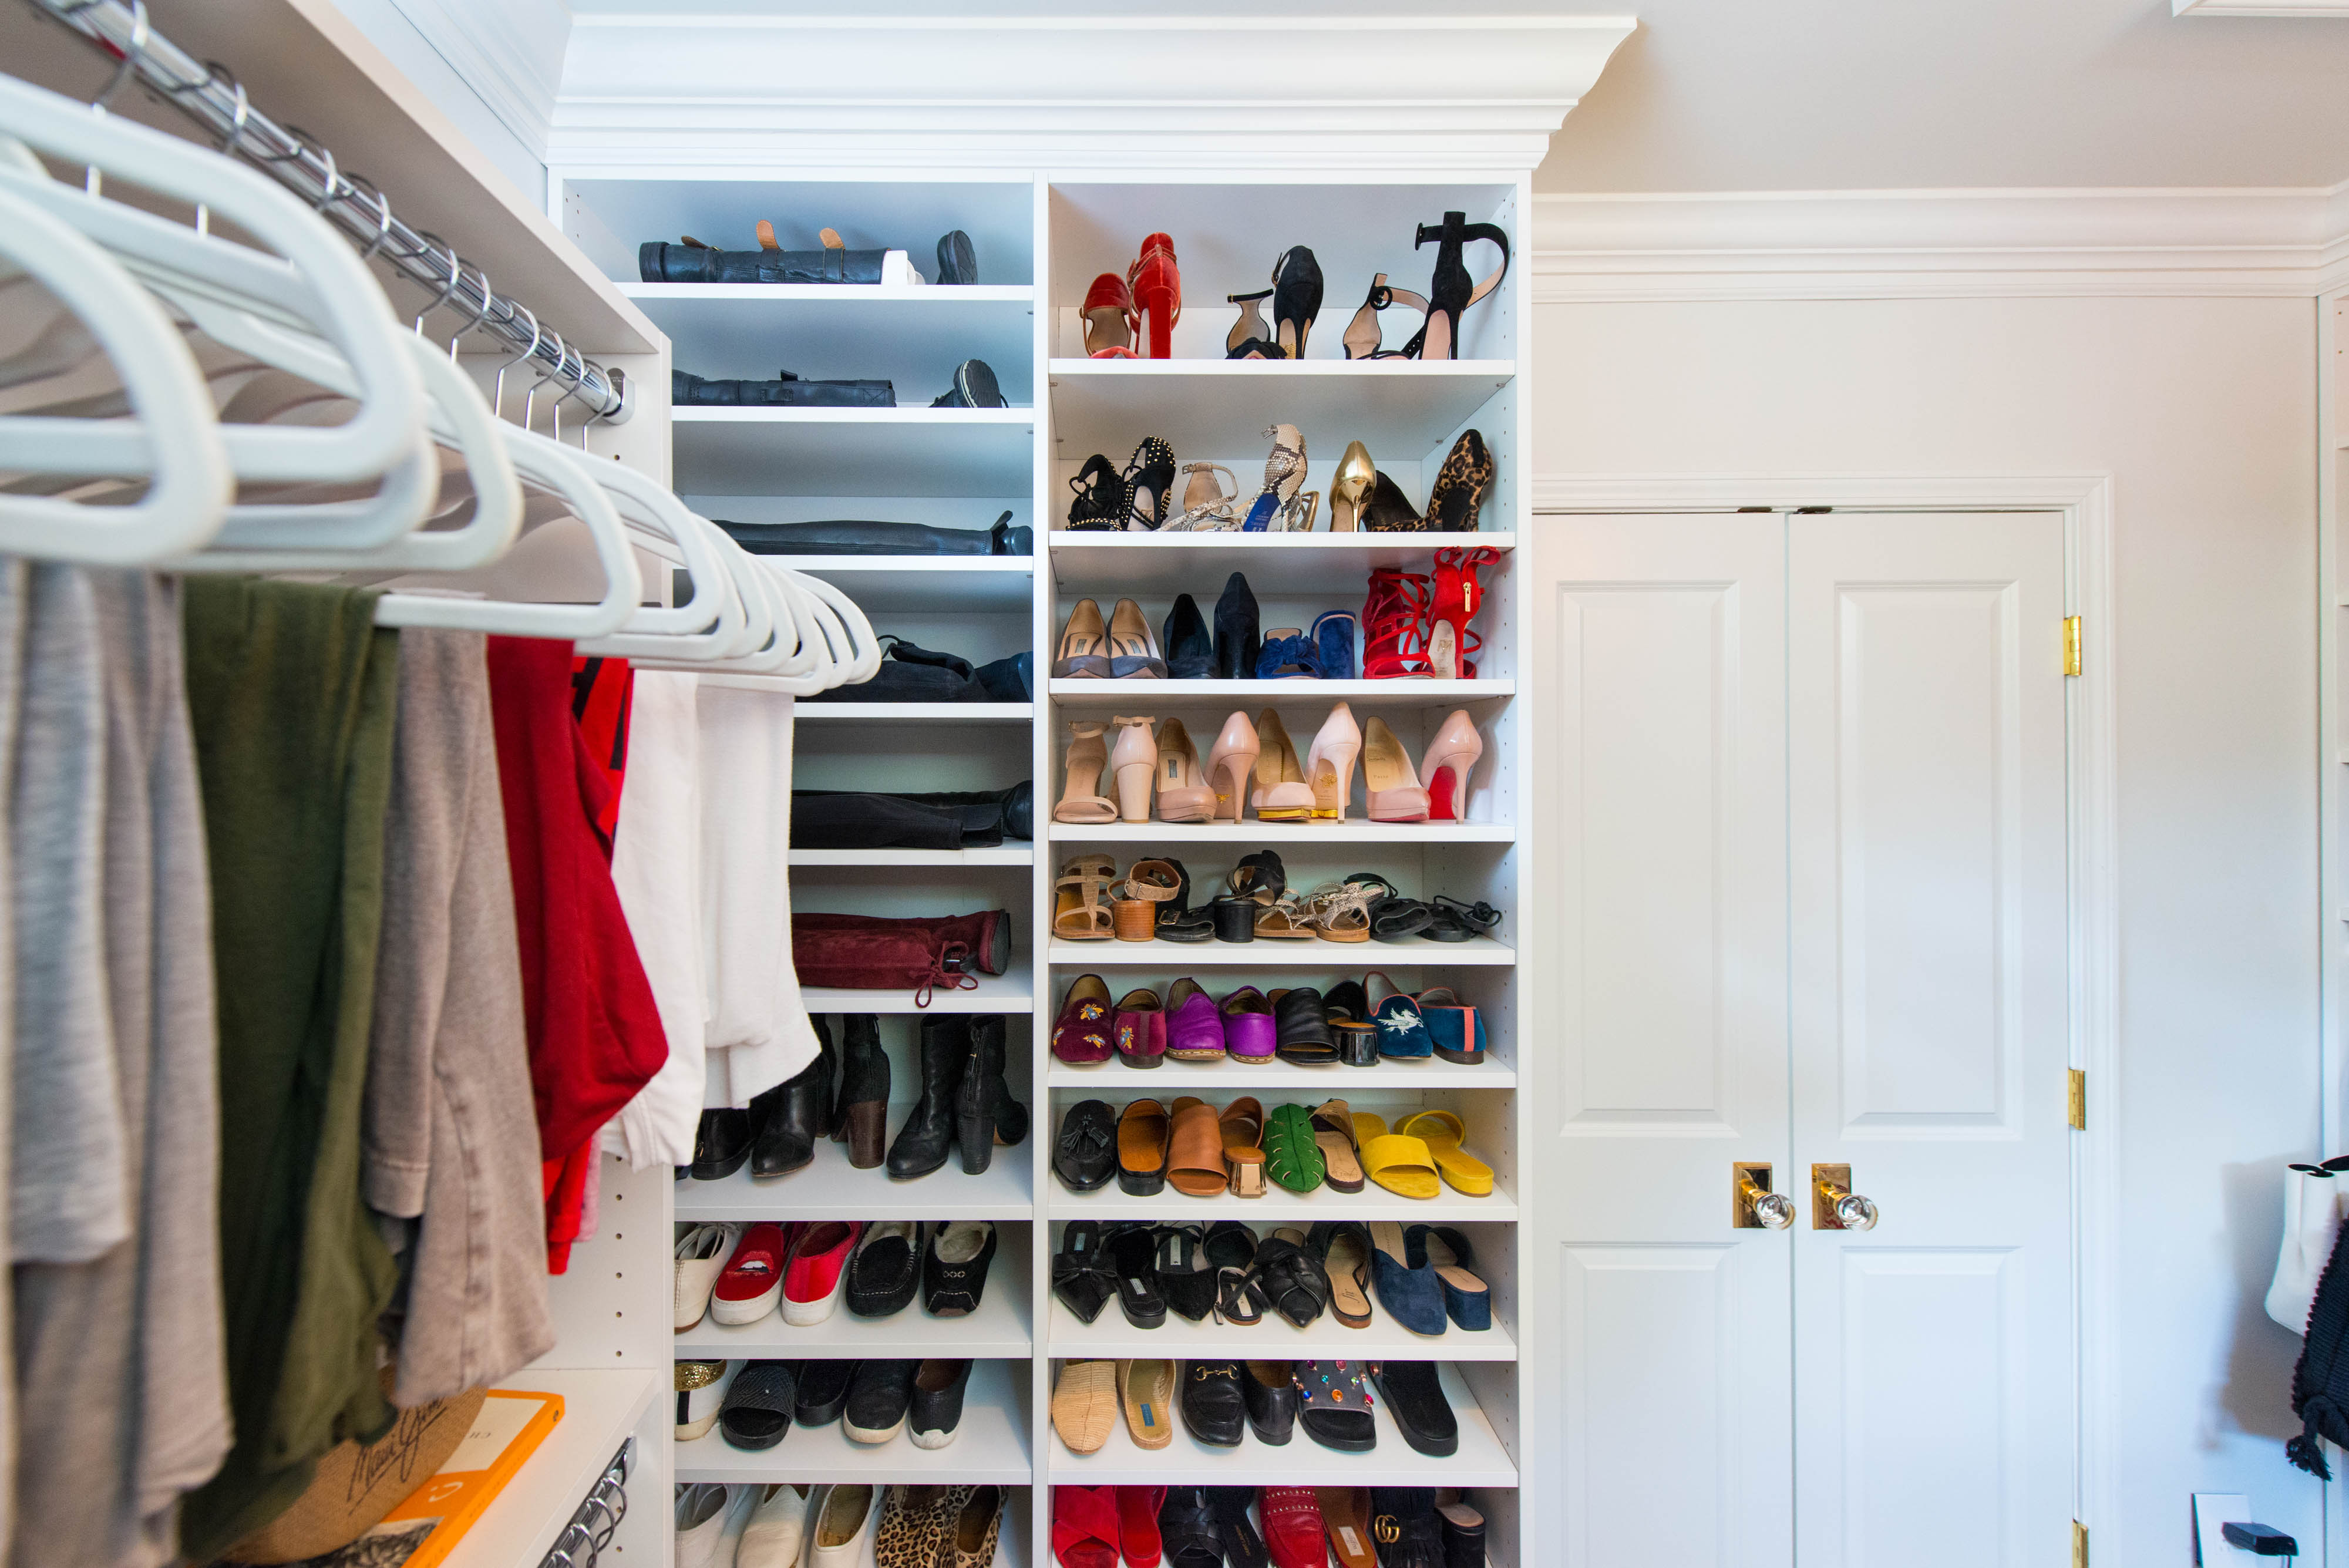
{"points": [[984, 1112], [1236, 638], [791, 1117], [928, 1134], [861, 1118], [1189, 655]]}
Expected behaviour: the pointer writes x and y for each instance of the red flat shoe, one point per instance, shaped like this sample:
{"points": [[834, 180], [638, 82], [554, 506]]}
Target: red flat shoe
{"points": [[753, 1276], [1109, 320], [1156, 286], [1137, 1525], [1084, 1527], [818, 1267], [1292, 1527]]}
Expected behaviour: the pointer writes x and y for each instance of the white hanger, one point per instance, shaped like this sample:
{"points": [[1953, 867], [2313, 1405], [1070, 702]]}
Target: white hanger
{"points": [[176, 442]]}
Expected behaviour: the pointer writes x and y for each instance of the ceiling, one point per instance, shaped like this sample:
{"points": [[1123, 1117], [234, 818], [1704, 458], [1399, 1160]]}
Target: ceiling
{"points": [[1785, 95]]}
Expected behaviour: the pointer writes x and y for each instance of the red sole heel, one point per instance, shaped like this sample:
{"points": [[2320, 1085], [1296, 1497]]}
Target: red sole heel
{"points": [[1438, 796]]}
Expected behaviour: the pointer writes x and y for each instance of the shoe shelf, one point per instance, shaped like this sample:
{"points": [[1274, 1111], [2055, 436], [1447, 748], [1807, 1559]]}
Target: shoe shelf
{"points": [[1280, 952], [723, 452], [1164, 837], [911, 338], [600, 1410], [1160, 566], [832, 1188], [1000, 1329], [989, 1447], [1272, 693], [909, 712], [1013, 991], [1115, 1081], [1110, 1336], [925, 584], [1480, 1461], [1401, 410], [1006, 856], [1279, 1206]]}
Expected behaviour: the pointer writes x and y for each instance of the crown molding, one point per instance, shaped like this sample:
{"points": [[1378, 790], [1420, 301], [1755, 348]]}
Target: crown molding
{"points": [[1895, 244], [509, 53], [1260, 93]]}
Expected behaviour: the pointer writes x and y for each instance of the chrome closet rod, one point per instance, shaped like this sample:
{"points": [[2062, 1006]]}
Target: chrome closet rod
{"points": [[208, 94]]}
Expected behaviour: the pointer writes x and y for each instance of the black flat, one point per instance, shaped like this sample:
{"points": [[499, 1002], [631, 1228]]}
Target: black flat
{"points": [[1186, 1277], [1082, 1278], [1084, 1156], [823, 1391], [1215, 1411], [1133, 1257], [720, 1143], [1270, 1391]]}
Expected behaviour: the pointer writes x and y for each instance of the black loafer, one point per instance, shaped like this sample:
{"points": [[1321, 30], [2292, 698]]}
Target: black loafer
{"points": [[1270, 1394], [878, 1397], [1415, 1400], [757, 1411], [822, 1391], [1215, 1411], [1189, 1533], [720, 1144], [936, 1407], [954, 1270], [1403, 1520], [885, 1269], [973, 388], [1084, 1156], [957, 262], [1134, 1258]]}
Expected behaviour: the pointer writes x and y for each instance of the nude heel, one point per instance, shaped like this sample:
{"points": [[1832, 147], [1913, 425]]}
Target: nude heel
{"points": [[1133, 762], [1329, 766], [1451, 757], [1231, 767]]}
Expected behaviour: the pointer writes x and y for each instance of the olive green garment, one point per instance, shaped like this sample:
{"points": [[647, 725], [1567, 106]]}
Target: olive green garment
{"points": [[293, 693]]}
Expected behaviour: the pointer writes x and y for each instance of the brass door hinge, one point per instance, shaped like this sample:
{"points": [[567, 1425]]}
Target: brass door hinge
{"points": [[2079, 1545], [2071, 645], [2076, 1098]]}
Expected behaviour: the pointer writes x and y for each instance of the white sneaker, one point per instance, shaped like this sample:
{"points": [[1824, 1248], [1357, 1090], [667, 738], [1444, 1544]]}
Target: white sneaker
{"points": [[843, 1523], [701, 1254], [701, 1523], [700, 1389], [777, 1527]]}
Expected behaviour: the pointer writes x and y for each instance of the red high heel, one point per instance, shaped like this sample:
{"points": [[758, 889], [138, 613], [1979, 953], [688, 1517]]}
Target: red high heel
{"points": [[1109, 320], [1394, 625], [1156, 286], [1458, 595]]}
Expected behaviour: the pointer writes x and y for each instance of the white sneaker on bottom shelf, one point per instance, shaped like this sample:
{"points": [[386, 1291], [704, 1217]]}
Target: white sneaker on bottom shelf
{"points": [[840, 1523], [778, 1525], [701, 1523]]}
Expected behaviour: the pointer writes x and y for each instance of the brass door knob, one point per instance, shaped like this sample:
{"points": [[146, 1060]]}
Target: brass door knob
{"points": [[1833, 1205], [1754, 1207]]}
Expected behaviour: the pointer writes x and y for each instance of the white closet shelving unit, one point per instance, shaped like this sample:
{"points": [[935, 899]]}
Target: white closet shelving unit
{"points": [[1039, 241]]}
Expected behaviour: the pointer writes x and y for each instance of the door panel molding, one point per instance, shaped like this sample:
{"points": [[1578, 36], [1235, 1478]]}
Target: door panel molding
{"points": [[2086, 504]]}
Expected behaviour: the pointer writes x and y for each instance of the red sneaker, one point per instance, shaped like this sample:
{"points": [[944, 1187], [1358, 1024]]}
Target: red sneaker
{"points": [[818, 1267], [753, 1276]]}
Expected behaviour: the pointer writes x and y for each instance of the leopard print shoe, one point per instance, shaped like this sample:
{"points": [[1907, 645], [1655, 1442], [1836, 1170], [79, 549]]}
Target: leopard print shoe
{"points": [[1458, 495]]}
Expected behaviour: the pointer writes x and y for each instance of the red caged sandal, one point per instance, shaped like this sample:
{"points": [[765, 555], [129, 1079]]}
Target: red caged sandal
{"points": [[1395, 626], [1458, 595], [1156, 287]]}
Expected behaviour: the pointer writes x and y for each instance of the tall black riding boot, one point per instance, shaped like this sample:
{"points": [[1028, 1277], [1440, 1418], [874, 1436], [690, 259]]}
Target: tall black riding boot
{"points": [[924, 1142]]}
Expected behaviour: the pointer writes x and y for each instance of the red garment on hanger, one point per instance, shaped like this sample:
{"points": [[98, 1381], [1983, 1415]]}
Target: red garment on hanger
{"points": [[601, 691], [596, 1037]]}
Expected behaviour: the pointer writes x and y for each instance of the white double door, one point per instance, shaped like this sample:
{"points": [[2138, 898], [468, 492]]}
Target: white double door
{"points": [[1802, 871]]}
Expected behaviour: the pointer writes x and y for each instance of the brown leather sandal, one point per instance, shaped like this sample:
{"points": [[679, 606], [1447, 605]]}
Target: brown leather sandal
{"points": [[1242, 1129], [1078, 915], [1147, 885], [1333, 1135], [1195, 1162], [1142, 1150]]}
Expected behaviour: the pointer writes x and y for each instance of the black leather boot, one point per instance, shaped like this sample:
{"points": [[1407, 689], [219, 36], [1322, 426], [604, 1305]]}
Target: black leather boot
{"points": [[692, 263], [863, 1118], [720, 1143], [928, 1135], [791, 1117], [984, 1112]]}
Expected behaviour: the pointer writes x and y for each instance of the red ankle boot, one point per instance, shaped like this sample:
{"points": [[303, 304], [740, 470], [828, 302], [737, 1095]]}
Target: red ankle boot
{"points": [[1394, 624], [1458, 596], [1156, 287]]}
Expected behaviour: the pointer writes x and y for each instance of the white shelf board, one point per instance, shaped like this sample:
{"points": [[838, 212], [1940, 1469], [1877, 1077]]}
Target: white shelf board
{"points": [[832, 1188], [999, 1329], [600, 1410], [1011, 991], [989, 1447], [1126, 693], [910, 337], [1250, 831], [1113, 1077], [925, 582], [865, 299], [719, 451], [926, 713], [1279, 1206], [1111, 1336], [1403, 409], [814, 857], [1287, 952], [1480, 1461], [1163, 564]]}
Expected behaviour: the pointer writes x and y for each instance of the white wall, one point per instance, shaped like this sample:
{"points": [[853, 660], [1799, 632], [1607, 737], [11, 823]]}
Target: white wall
{"points": [[2204, 412], [425, 61]]}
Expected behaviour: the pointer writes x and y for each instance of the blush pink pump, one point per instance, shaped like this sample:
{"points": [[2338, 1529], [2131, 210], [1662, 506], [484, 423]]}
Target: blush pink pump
{"points": [[1133, 762], [1395, 791], [1231, 767], [1451, 757], [1329, 765]]}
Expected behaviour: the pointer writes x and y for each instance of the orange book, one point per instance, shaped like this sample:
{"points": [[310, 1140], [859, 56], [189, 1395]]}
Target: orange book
{"points": [[511, 1425]]}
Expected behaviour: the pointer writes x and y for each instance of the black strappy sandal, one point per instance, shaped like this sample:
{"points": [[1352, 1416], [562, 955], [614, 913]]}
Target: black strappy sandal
{"points": [[1450, 920], [1239, 1297], [1082, 1278], [1177, 922], [1099, 503], [1260, 877], [1292, 1278]]}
